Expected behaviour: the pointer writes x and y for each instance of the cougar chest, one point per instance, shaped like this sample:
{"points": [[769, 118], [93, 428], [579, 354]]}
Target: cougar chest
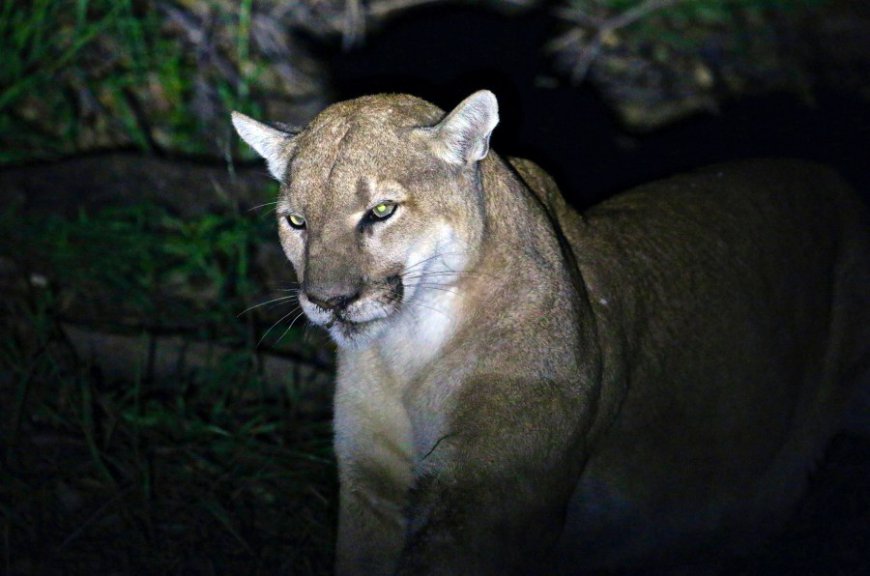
{"points": [[420, 333]]}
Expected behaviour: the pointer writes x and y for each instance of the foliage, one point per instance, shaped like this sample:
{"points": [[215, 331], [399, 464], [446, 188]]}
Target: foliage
{"points": [[669, 27], [84, 74], [98, 478], [706, 12], [214, 471], [656, 60], [141, 250]]}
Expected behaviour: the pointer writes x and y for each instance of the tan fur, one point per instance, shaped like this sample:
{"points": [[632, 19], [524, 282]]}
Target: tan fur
{"points": [[525, 390]]}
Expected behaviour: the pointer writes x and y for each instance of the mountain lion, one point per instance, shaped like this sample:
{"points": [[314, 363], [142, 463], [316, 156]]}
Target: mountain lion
{"points": [[523, 389]]}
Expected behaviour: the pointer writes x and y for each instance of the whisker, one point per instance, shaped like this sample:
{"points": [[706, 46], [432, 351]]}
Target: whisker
{"points": [[436, 273], [266, 303], [258, 206], [422, 305], [430, 258], [432, 308], [278, 321], [419, 275], [292, 322], [285, 286], [430, 286]]}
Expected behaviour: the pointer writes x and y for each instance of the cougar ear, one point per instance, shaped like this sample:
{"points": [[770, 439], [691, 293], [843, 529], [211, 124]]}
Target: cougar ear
{"points": [[463, 135], [273, 144]]}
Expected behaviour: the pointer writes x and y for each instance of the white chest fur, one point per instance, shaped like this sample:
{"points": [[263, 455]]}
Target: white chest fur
{"points": [[370, 415], [430, 314], [420, 332]]}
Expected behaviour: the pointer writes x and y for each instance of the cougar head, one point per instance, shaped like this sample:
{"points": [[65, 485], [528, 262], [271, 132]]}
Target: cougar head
{"points": [[380, 207]]}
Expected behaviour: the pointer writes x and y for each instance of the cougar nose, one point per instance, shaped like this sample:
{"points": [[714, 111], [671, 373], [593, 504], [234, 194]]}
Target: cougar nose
{"points": [[332, 297]]}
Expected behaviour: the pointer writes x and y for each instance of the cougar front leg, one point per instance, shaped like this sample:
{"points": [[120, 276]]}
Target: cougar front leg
{"points": [[371, 530], [491, 499], [374, 467]]}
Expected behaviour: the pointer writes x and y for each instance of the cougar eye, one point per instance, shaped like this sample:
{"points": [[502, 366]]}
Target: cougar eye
{"points": [[381, 211], [295, 221]]}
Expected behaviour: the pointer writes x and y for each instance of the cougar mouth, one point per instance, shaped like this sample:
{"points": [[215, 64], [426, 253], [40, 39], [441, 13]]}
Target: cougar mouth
{"points": [[359, 318]]}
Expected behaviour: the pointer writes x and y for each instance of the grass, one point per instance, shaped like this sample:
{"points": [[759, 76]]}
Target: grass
{"points": [[214, 471], [142, 250], [89, 74]]}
